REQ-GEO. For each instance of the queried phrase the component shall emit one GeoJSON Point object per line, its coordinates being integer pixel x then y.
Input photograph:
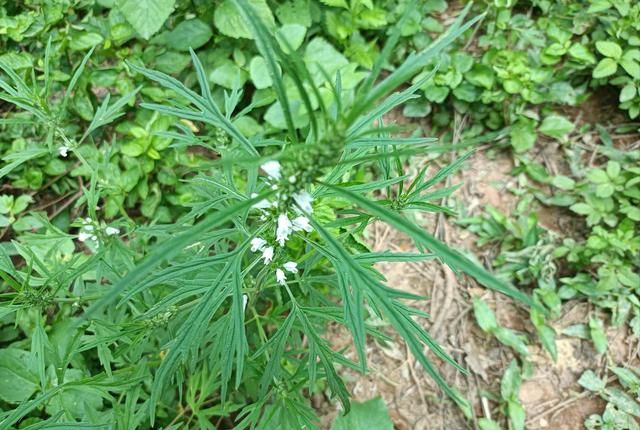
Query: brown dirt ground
{"type": "Point", "coordinates": [551, 396]}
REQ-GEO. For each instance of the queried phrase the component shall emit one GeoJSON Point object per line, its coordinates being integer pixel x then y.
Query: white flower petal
{"type": "Point", "coordinates": [262, 204]}
{"type": "Point", "coordinates": [272, 169]}
{"type": "Point", "coordinates": [111, 231]}
{"type": "Point", "coordinates": [245, 300]}
{"type": "Point", "coordinates": [283, 229]}
{"type": "Point", "coordinates": [291, 267]}
{"type": "Point", "coordinates": [281, 277]}
{"type": "Point", "coordinates": [301, 223]}
{"type": "Point", "coordinates": [267, 254]}
{"type": "Point", "coordinates": [303, 200]}
{"type": "Point", "coordinates": [257, 244]}
{"type": "Point", "coordinates": [63, 151]}
{"type": "Point", "coordinates": [82, 236]}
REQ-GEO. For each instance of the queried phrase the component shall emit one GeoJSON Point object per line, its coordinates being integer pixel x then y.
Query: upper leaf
{"type": "Point", "coordinates": [146, 16]}
{"type": "Point", "coordinates": [230, 22]}
{"type": "Point", "coordinates": [609, 49]}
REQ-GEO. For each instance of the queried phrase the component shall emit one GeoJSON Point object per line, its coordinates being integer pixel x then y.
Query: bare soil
{"type": "Point", "coordinates": [551, 396]}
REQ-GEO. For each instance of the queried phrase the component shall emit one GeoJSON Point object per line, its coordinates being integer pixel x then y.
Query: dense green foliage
{"type": "Point", "coordinates": [152, 147]}
{"type": "Point", "coordinates": [621, 410]}
{"type": "Point", "coordinates": [553, 55]}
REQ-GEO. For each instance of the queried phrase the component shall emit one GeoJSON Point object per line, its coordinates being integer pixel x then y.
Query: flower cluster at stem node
{"type": "Point", "coordinates": [289, 198]}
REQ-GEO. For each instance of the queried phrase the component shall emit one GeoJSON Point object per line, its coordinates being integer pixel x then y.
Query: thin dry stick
{"type": "Point", "coordinates": [564, 404]}
{"type": "Point", "coordinates": [181, 412]}
{"type": "Point", "coordinates": [381, 374]}
{"type": "Point", "coordinates": [460, 316]}
{"type": "Point", "coordinates": [380, 238]}
{"type": "Point", "coordinates": [434, 299]}
{"type": "Point", "coordinates": [542, 406]}
{"type": "Point", "coordinates": [66, 204]}
{"type": "Point", "coordinates": [50, 203]}
{"type": "Point", "coordinates": [416, 381]}
{"type": "Point", "coordinates": [485, 407]}
{"type": "Point", "coordinates": [474, 34]}
{"type": "Point", "coordinates": [449, 290]}
{"type": "Point", "coordinates": [56, 178]}
{"type": "Point", "coordinates": [450, 282]}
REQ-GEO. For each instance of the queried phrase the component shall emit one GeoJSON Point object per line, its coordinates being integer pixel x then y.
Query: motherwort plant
{"type": "Point", "coordinates": [223, 311]}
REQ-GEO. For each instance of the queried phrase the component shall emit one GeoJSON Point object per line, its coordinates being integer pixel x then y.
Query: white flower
{"type": "Point", "coordinates": [281, 277]}
{"type": "Point", "coordinates": [111, 231]}
{"type": "Point", "coordinates": [257, 244]}
{"type": "Point", "coordinates": [303, 200]}
{"type": "Point", "coordinates": [267, 254]}
{"type": "Point", "coordinates": [272, 169]}
{"type": "Point", "coordinates": [83, 236]}
{"type": "Point", "coordinates": [262, 204]}
{"type": "Point", "coordinates": [301, 223]}
{"type": "Point", "coordinates": [291, 267]}
{"type": "Point", "coordinates": [245, 300]}
{"type": "Point", "coordinates": [284, 229]}
{"type": "Point", "coordinates": [292, 179]}
{"type": "Point", "coordinates": [63, 151]}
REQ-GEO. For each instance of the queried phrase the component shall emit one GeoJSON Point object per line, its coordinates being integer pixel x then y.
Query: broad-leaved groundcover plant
{"type": "Point", "coordinates": [223, 311]}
